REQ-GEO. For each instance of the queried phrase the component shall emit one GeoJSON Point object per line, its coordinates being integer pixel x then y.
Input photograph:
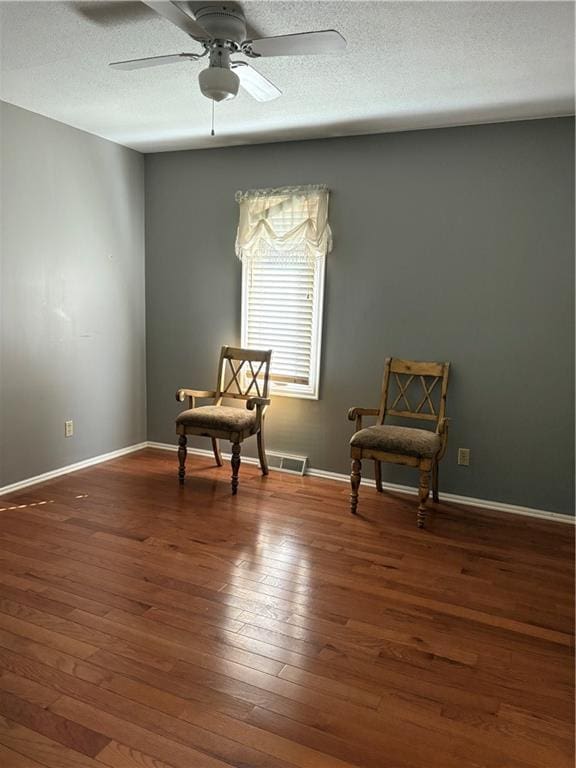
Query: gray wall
{"type": "Point", "coordinates": [72, 295]}
{"type": "Point", "coordinates": [453, 244]}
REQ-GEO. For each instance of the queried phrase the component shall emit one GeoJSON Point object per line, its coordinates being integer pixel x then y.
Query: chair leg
{"type": "Point", "coordinates": [423, 491]}
{"type": "Point", "coordinates": [235, 461]}
{"type": "Point", "coordinates": [262, 450]}
{"type": "Point", "coordinates": [216, 449]}
{"type": "Point", "coordinates": [378, 475]}
{"type": "Point", "coordinates": [435, 495]}
{"type": "Point", "coordinates": [355, 476]}
{"type": "Point", "coordinates": [181, 458]}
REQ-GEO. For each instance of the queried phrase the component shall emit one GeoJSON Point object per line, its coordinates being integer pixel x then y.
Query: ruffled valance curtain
{"type": "Point", "coordinates": [286, 224]}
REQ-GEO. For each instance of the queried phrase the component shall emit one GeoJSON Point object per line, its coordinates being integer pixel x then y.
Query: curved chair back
{"type": "Point", "coordinates": [243, 373]}
{"type": "Point", "coordinates": [410, 390]}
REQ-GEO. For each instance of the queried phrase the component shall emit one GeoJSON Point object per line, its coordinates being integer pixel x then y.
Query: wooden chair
{"type": "Point", "coordinates": [243, 374]}
{"type": "Point", "coordinates": [420, 448]}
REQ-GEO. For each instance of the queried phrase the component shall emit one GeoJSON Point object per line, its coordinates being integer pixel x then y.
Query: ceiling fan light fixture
{"type": "Point", "coordinates": [218, 83]}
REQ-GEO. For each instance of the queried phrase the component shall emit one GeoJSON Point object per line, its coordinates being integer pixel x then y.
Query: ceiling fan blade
{"type": "Point", "coordinates": [177, 16]}
{"type": "Point", "coordinates": [324, 41]}
{"type": "Point", "coordinates": [154, 61]}
{"type": "Point", "coordinates": [258, 86]}
{"type": "Point", "coordinates": [110, 14]}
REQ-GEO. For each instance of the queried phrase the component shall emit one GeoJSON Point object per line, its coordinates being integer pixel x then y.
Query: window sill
{"type": "Point", "coordinates": [293, 393]}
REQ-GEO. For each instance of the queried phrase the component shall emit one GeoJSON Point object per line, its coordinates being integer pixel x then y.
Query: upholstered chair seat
{"type": "Point", "coordinates": [391, 439]}
{"type": "Point", "coordinates": [221, 417]}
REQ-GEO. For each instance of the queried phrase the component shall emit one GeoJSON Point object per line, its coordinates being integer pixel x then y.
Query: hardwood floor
{"type": "Point", "coordinates": [147, 626]}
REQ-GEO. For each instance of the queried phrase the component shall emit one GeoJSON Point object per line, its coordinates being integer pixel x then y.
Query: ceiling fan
{"type": "Point", "coordinates": [221, 31]}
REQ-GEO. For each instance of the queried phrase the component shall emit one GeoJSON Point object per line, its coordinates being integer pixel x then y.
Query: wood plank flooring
{"type": "Point", "coordinates": [147, 626]}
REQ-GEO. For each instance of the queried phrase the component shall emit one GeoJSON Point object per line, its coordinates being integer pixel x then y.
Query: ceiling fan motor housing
{"type": "Point", "coordinates": [224, 22]}
{"type": "Point", "coordinates": [227, 27]}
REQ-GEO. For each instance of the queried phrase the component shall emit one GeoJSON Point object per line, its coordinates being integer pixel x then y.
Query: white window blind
{"type": "Point", "coordinates": [283, 238]}
{"type": "Point", "coordinates": [282, 311]}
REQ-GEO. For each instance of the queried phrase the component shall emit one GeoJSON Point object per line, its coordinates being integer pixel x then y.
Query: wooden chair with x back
{"type": "Point", "coordinates": [243, 374]}
{"type": "Point", "coordinates": [409, 391]}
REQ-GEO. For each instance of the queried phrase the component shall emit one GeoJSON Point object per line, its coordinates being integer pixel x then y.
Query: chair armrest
{"type": "Point", "coordinates": [260, 402]}
{"type": "Point", "coordinates": [443, 425]}
{"type": "Point", "coordinates": [192, 394]}
{"type": "Point", "coordinates": [442, 430]}
{"type": "Point", "coordinates": [357, 413]}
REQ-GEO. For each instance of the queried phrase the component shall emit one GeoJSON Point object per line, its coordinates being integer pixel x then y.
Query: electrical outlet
{"type": "Point", "coordinates": [68, 428]}
{"type": "Point", "coordinates": [464, 457]}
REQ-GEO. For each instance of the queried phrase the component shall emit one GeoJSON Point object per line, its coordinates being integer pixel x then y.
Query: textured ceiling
{"type": "Point", "coordinates": [408, 65]}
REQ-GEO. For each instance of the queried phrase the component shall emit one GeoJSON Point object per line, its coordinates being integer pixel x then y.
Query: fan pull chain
{"type": "Point", "coordinates": [212, 131]}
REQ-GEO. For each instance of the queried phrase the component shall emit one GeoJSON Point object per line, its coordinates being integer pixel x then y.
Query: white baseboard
{"type": "Point", "coordinates": [495, 506]}
{"type": "Point", "coordinates": [71, 468]}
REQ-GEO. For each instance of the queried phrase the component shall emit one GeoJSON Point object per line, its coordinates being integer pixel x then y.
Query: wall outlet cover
{"type": "Point", "coordinates": [464, 457]}
{"type": "Point", "coordinates": [68, 428]}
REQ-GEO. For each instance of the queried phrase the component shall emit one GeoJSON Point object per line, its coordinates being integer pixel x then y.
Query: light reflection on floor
{"type": "Point", "coordinates": [38, 503]}
{"type": "Point", "coordinates": [293, 572]}
{"type": "Point", "coordinates": [24, 506]}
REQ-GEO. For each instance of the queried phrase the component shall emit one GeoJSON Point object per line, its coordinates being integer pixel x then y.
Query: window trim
{"type": "Point", "coordinates": [312, 389]}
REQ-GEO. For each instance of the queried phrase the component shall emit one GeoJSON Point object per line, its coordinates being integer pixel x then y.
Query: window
{"type": "Point", "coordinates": [283, 238]}
{"type": "Point", "coordinates": [282, 311]}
